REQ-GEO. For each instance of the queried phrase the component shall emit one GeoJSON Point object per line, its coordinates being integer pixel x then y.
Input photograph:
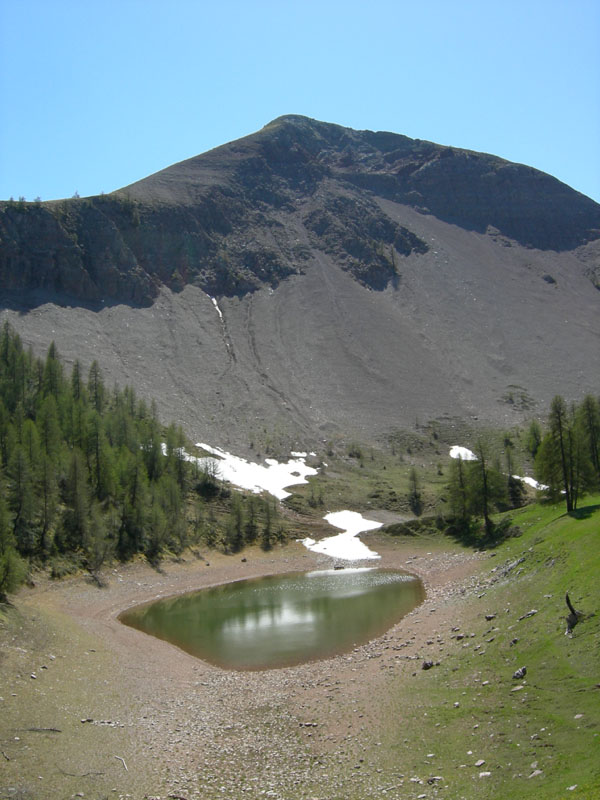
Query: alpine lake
{"type": "Point", "coordinates": [282, 620]}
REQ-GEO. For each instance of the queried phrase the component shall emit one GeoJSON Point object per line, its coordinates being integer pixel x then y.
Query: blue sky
{"type": "Point", "coordinates": [95, 94]}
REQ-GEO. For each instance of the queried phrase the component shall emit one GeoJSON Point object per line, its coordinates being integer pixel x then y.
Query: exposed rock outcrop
{"type": "Point", "coordinates": [253, 212]}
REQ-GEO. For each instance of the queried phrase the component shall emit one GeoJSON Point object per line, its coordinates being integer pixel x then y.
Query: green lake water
{"type": "Point", "coordinates": [281, 620]}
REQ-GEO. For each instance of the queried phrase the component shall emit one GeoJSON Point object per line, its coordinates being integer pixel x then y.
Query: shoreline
{"type": "Point", "coordinates": [182, 725]}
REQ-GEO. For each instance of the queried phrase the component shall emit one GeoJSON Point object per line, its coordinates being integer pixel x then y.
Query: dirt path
{"type": "Point", "coordinates": [137, 717]}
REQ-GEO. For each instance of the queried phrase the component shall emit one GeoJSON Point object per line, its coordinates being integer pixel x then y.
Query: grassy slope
{"type": "Point", "coordinates": [537, 727]}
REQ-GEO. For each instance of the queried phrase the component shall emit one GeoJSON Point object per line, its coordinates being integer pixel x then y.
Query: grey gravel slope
{"type": "Point", "coordinates": [452, 318]}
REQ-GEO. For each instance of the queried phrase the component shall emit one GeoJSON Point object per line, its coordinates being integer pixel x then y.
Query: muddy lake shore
{"type": "Point", "coordinates": [92, 708]}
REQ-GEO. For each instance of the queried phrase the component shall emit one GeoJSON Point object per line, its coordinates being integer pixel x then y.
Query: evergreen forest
{"type": "Point", "coordinates": [89, 474]}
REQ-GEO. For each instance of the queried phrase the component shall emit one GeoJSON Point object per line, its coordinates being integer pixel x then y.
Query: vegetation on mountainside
{"type": "Point", "coordinates": [88, 474]}
{"type": "Point", "coordinates": [566, 463]}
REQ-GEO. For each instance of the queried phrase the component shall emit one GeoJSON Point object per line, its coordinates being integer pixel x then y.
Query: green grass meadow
{"type": "Point", "coordinates": [539, 737]}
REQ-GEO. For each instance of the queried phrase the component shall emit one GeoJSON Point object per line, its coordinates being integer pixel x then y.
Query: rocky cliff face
{"type": "Point", "coordinates": [255, 211]}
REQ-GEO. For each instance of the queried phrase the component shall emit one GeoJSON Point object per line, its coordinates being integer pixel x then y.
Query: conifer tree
{"type": "Point", "coordinates": [589, 420]}
{"type": "Point", "coordinates": [563, 462]}
{"type": "Point", "coordinates": [266, 539]}
{"type": "Point", "coordinates": [48, 426]}
{"type": "Point", "coordinates": [415, 499]}
{"type": "Point", "coordinates": [234, 530]}
{"type": "Point", "coordinates": [134, 506]}
{"type": "Point", "coordinates": [95, 387]}
{"type": "Point", "coordinates": [12, 567]}
{"type": "Point", "coordinates": [21, 500]}
{"type": "Point", "coordinates": [458, 490]}
{"type": "Point", "coordinates": [487, 487]}
{"type": "Point", "coordinates": [53, 373]}
{"type": "Point", "coordinates": [6, 434]}
{"type": "Point", "coordinates": [251, 527]}
{"type": "Point", "coordinates": [77, 384]}
{"type": "Point", "coordinates": [77, 498]}
{"type": "Point", "coordinates": [47, 494]}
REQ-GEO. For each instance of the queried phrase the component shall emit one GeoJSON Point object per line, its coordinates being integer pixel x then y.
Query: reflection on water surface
{"type": "Point", "coordinates": [281, 620]}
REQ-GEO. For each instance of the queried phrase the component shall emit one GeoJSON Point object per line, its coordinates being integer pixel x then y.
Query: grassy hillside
{"type": "Point", "coordinates": [538, 736]}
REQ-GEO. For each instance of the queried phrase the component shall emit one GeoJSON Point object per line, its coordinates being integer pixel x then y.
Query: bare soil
{"type": "Point", "coordinates": [92, 708]}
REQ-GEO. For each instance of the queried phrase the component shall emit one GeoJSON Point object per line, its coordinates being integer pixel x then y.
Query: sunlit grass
{"type": "Point", "coordinates": [551, 724]}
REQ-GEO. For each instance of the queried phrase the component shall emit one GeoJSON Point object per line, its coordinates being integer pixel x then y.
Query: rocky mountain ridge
{"type": "Point", "coordinates": [319, 281]}
{"type": "Point", "coordinates": [253, 212]}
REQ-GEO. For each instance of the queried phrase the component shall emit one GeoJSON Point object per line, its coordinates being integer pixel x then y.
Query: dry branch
{"type": "Point", "coordinates": [75, 775]}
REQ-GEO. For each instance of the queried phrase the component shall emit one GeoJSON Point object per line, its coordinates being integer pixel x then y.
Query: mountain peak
{"type": "Point", "coordinates": [294, 119]}
{"type": "Point", "coordinates": [362, 280]}
{"type": "Point", "coordinates": [254, 211]}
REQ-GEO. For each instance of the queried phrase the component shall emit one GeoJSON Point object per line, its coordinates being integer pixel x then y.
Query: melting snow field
{"type": "Point", "coordinates": [271, 477]}
{"type": "Point", "coordinates": [345, 545]}
{"type": "Point", "coordinates": [274, 477]}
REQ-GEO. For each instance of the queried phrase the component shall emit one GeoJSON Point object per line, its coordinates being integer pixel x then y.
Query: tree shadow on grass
{"type": "Point", "coordinates": [585, 512]}
{"type": "Point", "coordinates": [472, 532]}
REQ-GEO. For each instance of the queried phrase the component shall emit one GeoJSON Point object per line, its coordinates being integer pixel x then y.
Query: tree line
{"type": "Point", "coordinates": [89, 473]}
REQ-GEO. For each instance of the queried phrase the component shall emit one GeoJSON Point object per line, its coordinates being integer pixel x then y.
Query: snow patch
{"type": "Point", "coordinates": [216, 305]}
{"type": "Point", "coordinates": [271, 477]}
{"type": "Point", "coordinates": [462, 452]}
{"type": "Point", "coordinates": [345, 545]}
{"type": "Point", "coordinates": [532, 482]}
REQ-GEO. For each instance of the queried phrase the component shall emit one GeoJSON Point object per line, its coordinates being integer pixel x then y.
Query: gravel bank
{"type": "Point", "coordinates": [136, 717]}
